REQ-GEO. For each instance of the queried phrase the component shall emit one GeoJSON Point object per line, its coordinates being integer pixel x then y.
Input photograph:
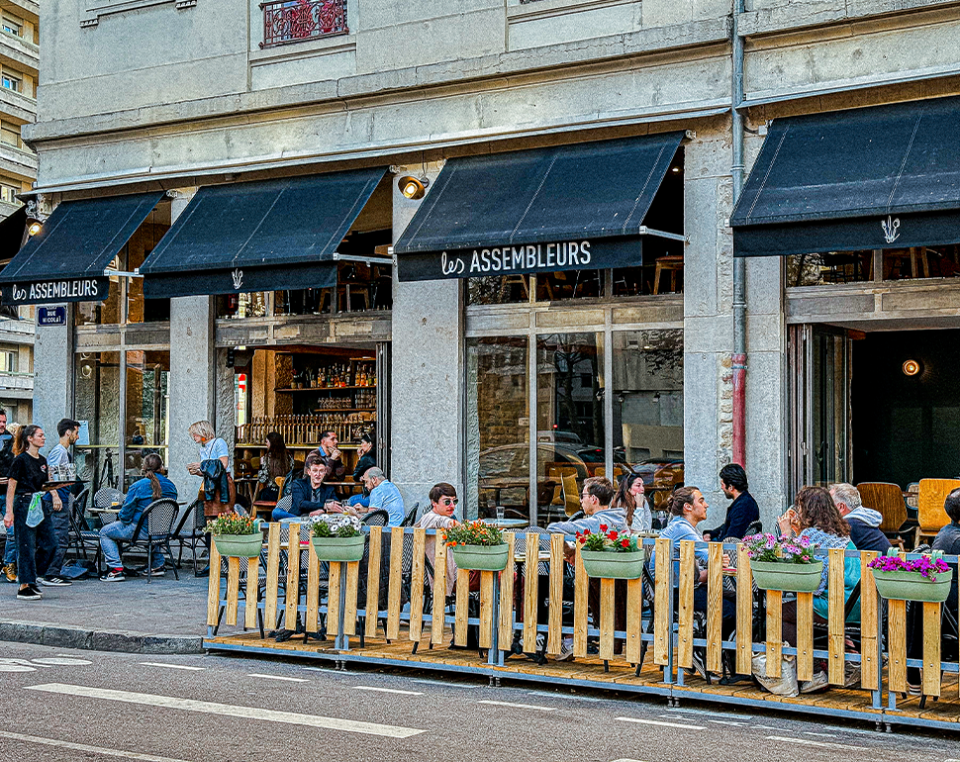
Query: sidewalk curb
{"type": "Point", "coordinates": [60, 636]}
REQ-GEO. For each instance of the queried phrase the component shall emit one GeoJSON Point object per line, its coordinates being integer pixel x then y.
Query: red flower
{"type": "Point", "coordinates": [581, 540]}
{"type": "Point", "coordinates": [625, 543]}
{"type": "Point", "coordinates": [612, 536]}
{"type": "Point", "coordinates": [603, 527]}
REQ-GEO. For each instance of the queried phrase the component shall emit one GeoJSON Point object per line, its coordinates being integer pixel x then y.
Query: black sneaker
{"type": "Point", "coordinates": [158, 572]}
{"type": "Point", "coordinates": [114, 575]}
{"type": "Point", "coordinates": [28, 594]}
{"type": "Point", "coordinates": [54, 581]}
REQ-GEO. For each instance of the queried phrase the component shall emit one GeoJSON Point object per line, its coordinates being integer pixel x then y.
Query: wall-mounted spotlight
{"type": "Point", "coordinates": [34, 228]}
{"type": "Point", "coordinates": [413, 187]}
{"type": "Point", "coordinates": [911, 368]}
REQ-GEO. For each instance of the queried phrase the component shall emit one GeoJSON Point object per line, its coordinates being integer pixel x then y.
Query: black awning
{"type": "Point", "coordinates": [274, 235]}
{"type": "Point", "coordinates": [568, 208]}
{"type": "Point", "coordinates": [869, 178]}
{"type": "Point", "coordinates": [65, 261]}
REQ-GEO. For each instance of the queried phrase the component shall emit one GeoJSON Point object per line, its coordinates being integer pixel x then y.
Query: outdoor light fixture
{"type": "Point", "coordinates": [413, 187]}
{"type": "Point", "coordinates": [34, 228]}
{"type": "Point", "coordinates": [911, 368]}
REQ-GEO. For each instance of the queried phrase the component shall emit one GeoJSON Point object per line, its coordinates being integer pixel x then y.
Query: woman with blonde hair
{"type": "Point", "coordinates": [218, 492]}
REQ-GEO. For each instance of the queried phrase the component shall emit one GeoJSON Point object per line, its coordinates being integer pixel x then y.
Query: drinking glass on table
{"type": "Point", "coordinates": [499, 514]}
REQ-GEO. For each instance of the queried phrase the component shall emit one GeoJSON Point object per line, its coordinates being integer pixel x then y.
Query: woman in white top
{"type": "Point", "coordinates": [632, 499]}
{"type": "Point", "coordinates": [211, 446]}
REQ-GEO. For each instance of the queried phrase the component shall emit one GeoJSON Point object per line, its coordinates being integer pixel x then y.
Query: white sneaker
{"type": "Point", "coordinates": [566, 650]}
{"type": "Point", "coordinates": [54, 582]}
{"type": "Point", "coordinates": [851, 675]}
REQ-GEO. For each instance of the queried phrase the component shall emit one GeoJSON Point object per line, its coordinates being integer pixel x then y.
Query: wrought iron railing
{"type": "Point", "coordinates": [286, 21]}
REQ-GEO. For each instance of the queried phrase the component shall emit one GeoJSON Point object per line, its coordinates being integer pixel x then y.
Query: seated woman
{"type": "Point", "coordinates": [631, 497]}
{"type": "Point", "coordinates": [153, 486]}
{"type": "Point", "coordinates": [367, 459]}
{"type": "Point", "coordinates": [276, 463]}
{"type": "Point", "coordinates": [816, 517]}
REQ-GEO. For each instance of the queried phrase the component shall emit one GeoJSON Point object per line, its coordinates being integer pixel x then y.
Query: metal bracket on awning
{"type": "Point", "coordinates": [644, 230]}
{"type": "Point", "coordinates": [374, 260]}
{"type": "Point", "coordinates": [122, 273]}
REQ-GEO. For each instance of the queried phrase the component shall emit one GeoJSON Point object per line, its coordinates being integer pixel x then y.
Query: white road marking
{"type": "Point", "coordinates": [61, 662]}
{"type": "Point", "coordinates": [626, 760]}
{"type": "Point", "coordinates": [822, 744]}
{"type": "Point", "coordinates": [663, 724]}
{"type": "Point", "coordinates": [441, 684]}
{"type": "Point", "coordinates": [16, 668]}
{"type": "Point", "coordinates": [385, 690]}
{"type": "Point", "coordinates": [170, 666]}
{"type": "Point", "coordinates": [85, 748]}
{"type": "Point", "coordinates": [520, 706]}
{"type": "Point", "coordinates": [725, 722]}
{"type": "Point", "coordinates": [564, 696]}
{"type": "Point", "coordinates": [278, 677]}
{"type": "Point", "coordinates": [226, 710]}
{"type": "Point", "coordinates": [323, 669]}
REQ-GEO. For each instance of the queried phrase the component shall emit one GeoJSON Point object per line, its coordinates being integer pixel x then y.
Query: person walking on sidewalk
{"type": "Point", "coordinates": [153, 486]}
{"type": "Point", "coordinates": [35, 544]}
{"type": "Point", "coordinates": [6, 460]}
{"type": "Point", "coordinates": [69, 431]}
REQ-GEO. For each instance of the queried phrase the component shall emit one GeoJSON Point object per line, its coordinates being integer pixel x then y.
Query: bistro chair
{"type": "Point", "coordinates": [888, 500]}
{"type": "Point", "coordinates": [378, 518]}
{"type": "Point", "coordinates": [411, 517]}
{"type": "Point", "coordinates": [107, 496]}
{"type": "Point", "coordinates": [930, 512]}
{"type": "Point", "coordinates": [82, 538]}
{"type": "Point", "coordinates": [285, 503]}
{"type": "Point", "coordinates": [190, 531]}
{"type": "Point", "coordinates": [156, 523]}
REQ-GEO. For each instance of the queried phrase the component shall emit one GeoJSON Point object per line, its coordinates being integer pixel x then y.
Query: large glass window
{"type": "Point", "coordinates": [648, 409]}
{"type": "Point", "coordinates": [873, 266]}
{"type": "Point", "coordinates": [146, 428]}
{"type": "Point", "coordinates": [97, 407]}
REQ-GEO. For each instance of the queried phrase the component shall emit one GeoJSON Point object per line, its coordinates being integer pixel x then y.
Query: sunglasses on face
{"type": "Point", "coordinates": [449, 501]}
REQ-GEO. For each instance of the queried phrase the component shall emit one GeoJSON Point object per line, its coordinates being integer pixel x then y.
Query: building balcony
{"type": "Point", "coordinates": [16, 382]}
{"type": "Point", "coordinates": [284, 23]}
{"type": "Point", "coordinates": [26, 9]}
{"type": "Point", "coordinates": [18, 162]}
{"type": "Point", "coordinates": [17, 331]}
{"type": "Point", "coordinates": [19, 53]}
{"type": "Point", "coordinates": [17, 106]}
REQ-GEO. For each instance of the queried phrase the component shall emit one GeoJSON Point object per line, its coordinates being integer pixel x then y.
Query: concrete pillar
{"type": "Point", "coordinates": [192, 376]}
{"type": "Point", "coordinates": [427, 376]}
{"type": "Point", "coordinates": [708, 317]}
{"type": "Point", "coordinates": [53, 376]}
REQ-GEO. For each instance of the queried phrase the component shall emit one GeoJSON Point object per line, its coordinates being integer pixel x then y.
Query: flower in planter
{"type": "Point", "coordinates": [473, 533]}
{"type": "Point", "coordinates": [923, 566]}
{"type": "Point", "coordinates": [325, 529]}
{"type": "Point", "coordinates": [769, 548]}
{"type": "Point", "coordinates": [232, 524]}
{"type": "Point", "coordinates": [611, 541]}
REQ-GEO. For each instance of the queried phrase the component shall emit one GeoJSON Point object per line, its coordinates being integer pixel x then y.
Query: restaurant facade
{"type": "Point", "coordinates": [511, 257]}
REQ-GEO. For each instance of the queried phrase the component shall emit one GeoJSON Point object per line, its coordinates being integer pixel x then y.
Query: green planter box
{"type": "Point", "coordinates": [603, 564]}
{"type": "Point", "coordinates": [480, 557]}
{"type": "Point", "coordinates": [239, 545]}
{"type": "Point", "coordinates": [335, 549]}
{"type": "Point", "coordinates": [790, 578]}
{"type": "Point", "coordinates": [911, 586]}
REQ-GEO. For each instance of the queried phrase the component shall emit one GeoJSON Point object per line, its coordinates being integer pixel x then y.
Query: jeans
{"type": "Point", "coordinates": [61, 528]}
{"type": "Point", "coordinates": [35, 545]}
{"type": "Point", "coordinates": [10, 551]}
{"type": "Point", "coordinates": [279, 514]}
{"type": "Point", "coordinates": [361, 499]}
{"type": "Point", "coordinates": [115, 531]}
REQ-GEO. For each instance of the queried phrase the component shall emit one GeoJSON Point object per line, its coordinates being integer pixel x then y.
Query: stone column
{"type": "Point", "coordinates": [53, 375]}
{"type": "Point", "coordinates": [192, 376]}
{"type": "Point", "coordinates": [427, 375]}
{"type": "Point", "coordinates": [708, 317]}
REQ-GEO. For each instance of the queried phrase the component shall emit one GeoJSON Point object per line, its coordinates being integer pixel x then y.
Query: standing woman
{"type": "Point", "coordinates": [35, 545]}
{"type": "Point", "coordinates": [632, 499]}
{"type": "Point", "coordinates": [276, 462]}
{"type": "Point", "coordinates": [219, 493]}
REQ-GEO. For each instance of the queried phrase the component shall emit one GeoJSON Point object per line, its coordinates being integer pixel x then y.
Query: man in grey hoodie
{"type": "Point", "coordinates": [864, 522]}
{"type": "Point", "coordinates": [598, 493]}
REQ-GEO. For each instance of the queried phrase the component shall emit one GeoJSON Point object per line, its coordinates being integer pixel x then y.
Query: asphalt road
{"type": "Point", "coordinates": [86, 705]}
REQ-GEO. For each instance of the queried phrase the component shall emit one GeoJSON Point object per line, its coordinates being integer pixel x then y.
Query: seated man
{"type": "Point", "coordinates": [598, 493]}
{"type": "Point", "coordinates": [443, 504]}
{"type": "Point", "coordinates": [329, 454]}
{"type": "Point", "coordinates": [864, 522]}
{"type": "Point", "coordinates": [153, 486]}
{"type": "Point", "coordinates": [311, 497]}
{"type": "Point", "coordinates": [384, 495]}
{"type": "Point", "coordinates": [743, 511]}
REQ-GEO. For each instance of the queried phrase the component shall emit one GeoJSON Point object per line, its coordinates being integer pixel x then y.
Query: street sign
{"type": "Point", "coordinates": [52, 316]}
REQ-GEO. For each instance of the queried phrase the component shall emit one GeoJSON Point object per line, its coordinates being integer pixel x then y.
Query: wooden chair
{"type": "Point", "coordinates": [930, 511]}
{"type": "Point", "coordinates": [571, 494]}
{"type": "Point", "coordinates": [506, 281]}
{"type": "Point", "coordinates": [672, 264]}
{"type": "Point", "coordinates": [888, 500]}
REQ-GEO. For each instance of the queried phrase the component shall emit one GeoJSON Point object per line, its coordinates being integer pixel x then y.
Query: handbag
{"type": "Point", "coordinates": [35, 511]}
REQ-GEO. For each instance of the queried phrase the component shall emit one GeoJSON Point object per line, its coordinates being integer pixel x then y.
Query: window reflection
{"type": "Point", "coordinates": [146, 428]}
{"type": "Point", "coordinates": [97, 403]}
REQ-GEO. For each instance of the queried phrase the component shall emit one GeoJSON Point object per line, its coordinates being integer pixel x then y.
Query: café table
{"type": "Point", "coordinates": [247, 486]}
{"type": "Point", "coordinates": [507, 524]}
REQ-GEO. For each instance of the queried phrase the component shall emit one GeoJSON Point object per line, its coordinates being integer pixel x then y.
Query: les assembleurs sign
{"type": "Point", "coordinates": [526, 258]}
{"type": "Point", "coordinates": [53, 291]}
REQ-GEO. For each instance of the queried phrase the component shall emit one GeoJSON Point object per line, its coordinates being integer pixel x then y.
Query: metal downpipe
{"type": "Point", "coordinates": [739, 359]}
